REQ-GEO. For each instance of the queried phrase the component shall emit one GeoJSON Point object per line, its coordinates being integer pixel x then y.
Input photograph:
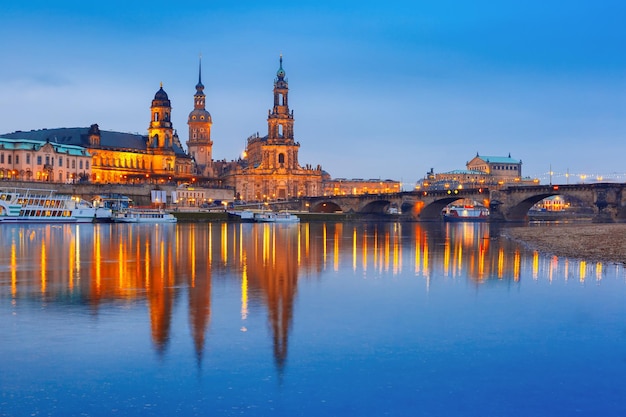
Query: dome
{"type": "Point", "coordinates": [161, 99]}
{"type": "Point", "coordinates": [200, 115]}
{"type": "Point", "coordinates": [161, 95]}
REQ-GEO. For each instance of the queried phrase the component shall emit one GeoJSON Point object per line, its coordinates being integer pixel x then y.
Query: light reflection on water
{"type": "Point", "coordinates": [358, 316]}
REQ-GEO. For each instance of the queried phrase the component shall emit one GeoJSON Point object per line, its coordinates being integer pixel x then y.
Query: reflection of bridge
{"type": "Point", "coordinates": [608, 201]}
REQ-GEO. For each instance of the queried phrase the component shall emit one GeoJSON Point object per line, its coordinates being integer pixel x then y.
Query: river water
{"type": "Point", "coordinates": [336, 319]}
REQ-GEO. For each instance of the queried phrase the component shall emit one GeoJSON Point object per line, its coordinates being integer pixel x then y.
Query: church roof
{"type": "Point", "coordinates": [79, 136]}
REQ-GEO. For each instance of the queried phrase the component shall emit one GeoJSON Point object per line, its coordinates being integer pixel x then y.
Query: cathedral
{"type": "Point", "coordinates": [270, 169]}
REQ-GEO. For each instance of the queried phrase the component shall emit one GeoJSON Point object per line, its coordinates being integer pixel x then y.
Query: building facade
{"type": "Point", "coordinates": [357, 186]}
{"type": "Point", "coordinates": [270, 169]}
{"type": "Point", "coordinates": [29, 160]}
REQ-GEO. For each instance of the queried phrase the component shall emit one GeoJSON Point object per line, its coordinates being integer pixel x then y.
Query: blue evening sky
{"type": "Point", "coordinates": [379, 89]}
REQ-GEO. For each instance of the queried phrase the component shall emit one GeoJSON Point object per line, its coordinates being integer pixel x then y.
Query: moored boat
{"type": "Point", "coordinates": [467, 213]}
{"type": "Point", "coordinates": [133, 215]}
{"type": "Point", "coordinates": [24, 205]}
{"type": "Point", "coordinates": [242, 215]}
{"type": "Point", "coordinates": [273, 217]}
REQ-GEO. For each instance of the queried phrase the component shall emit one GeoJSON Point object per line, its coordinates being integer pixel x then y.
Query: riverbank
{"type": "Point", "coordinates": [592, 242]}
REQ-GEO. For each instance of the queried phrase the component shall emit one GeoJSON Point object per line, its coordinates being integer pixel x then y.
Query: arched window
{"type": "Point", "coordinates": [156, 116]}
{"type": "Point", "coordinates": [281, 158]}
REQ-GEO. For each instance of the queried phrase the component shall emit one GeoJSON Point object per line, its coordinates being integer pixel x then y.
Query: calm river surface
{"type": "Point", "coordinates": [312, 319]}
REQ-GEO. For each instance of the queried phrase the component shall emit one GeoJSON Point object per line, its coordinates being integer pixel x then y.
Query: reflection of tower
{"type": "Point", "coordinates": [275, 271]}
{"type": "Point", "coordinates": [200, 309]}
{"type": "Point", "coordinates": [200, 122]}
{"type": "Point", "coordinates": [160, 302]}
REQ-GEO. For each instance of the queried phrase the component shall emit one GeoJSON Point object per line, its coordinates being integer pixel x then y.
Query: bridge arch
{"type": "Point", "coordinates": [375, 207]}
{"type": "Point", "coordinates": [325, 207]}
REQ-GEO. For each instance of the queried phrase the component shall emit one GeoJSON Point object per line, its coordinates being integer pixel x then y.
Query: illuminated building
{"type": "Point", "coordinates": [22, 159]}
{"type": "Point", "coordinates": [118, 157]}
{"type": "Point", "coordinates": [270, 168]}
{"type": "Point", "coordinates": [493, 171]}
{"type": "Point", "coordinates": [357, 186]}
{"type": "Point", "coordinates": [199, 144]}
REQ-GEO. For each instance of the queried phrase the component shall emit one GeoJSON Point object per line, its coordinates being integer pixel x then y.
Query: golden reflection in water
{"type": "Point", "coordinates": [364, 252]}
{"type": "Point", "coordinates": [324, 237]}
{"type": "Point", "coordinates": [161, 263]}
{"type": "Point", "coordinates": [500, 263]}
{"type": "Point", "coordinates": [337, 240]}
{"type": "Point", "coordinates": [43, 267]}
{"type": "Point", "coordinates": [446, 258]}
{"type": "Point", "coordinates": [418, 248]}
{"type": "Point", "coordinates": [244, 290]}
{"type": "Point", "coordinates": [13, 268]}
{"type": "Point", "coordinates": [224, 244]}
{"type": "Point", "coordinates": [535, 265]}
{"type": "Point", "coordinates": [582, 270]}
{"type": "Point", "coordinates": [354, 244]}
{"type": "Point", "coordinates": [517, 261]}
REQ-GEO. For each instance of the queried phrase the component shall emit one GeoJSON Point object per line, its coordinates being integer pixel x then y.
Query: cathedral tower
{"type": "Point", "coordinates": [199, 144]}
{"type": "Point", "coordinates": [160, 131]}
{"type": "Point", "coordinates": [279, 120]}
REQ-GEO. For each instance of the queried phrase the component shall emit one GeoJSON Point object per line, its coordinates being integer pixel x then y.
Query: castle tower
{"type": "Point", "coordinates": [199, 144]}
{"type": "Point", "coordinates": [160, 131]}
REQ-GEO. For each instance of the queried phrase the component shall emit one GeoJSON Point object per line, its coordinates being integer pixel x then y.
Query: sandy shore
{"type": "Point", "coordinates": [592, 242]}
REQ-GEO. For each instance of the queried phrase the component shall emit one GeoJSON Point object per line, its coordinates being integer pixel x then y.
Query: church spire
{"type": "Point", "coordinates": [199, 86]}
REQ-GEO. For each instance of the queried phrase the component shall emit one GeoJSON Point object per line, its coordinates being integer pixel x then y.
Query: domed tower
{"type": "Point", "coordinates": [160, 131]}
{"type": "Point", "coordinates": [199, 144]}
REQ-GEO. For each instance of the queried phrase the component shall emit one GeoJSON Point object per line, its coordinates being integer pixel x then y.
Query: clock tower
{"type": "Point", "coordinates": [199, 144]}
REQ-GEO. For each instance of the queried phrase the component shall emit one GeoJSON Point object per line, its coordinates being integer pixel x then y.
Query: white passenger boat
{"type": "Point", "coordinates": [272, 217]}
{"type": "Point", "coordinates": [133, 215]}
{"type": "Point", "coordinates": [25, 205]}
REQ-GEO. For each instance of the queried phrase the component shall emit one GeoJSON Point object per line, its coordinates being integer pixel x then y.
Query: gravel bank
{"type": "Point", "coordinates": [592, 242]}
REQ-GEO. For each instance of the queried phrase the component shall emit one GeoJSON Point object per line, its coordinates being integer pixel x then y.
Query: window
{"type": "Point", "coordinates": [28, 158]}
{"type": "Point", "coordinates": [80, 164]}
{"type": "Point", "coordinates": [74, 164]}
{"type": "Point", "coordinates": [17, 159]}
{"type": "Point", "coordinates": [38, 159]}
{"type": "Point", "coordinates": [156, 117]}
{"type": "Point", "coordinates": [47, 159]}
{"type": "Point", "coordinates": [1, 158]}
{"type": "Point", "coordinates": [86, 164]}
{"type": "Point", "coordinates": [281, 158]}
{"type": "Point", "coordinates": [60, 161]}
{"type": "Point", "coordinates": [9, 159]}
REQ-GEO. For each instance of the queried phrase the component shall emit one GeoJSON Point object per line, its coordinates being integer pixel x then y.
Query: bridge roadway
{"type": "Point", "coordinates": [608, 201]}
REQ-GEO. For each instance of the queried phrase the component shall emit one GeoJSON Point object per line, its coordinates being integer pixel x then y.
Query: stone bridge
{"type": "Point", "coordinates": [607, 200]}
